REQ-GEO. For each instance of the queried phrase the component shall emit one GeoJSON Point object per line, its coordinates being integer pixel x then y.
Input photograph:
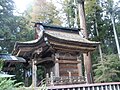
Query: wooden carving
{"type": "Point", "coordinates": [66, 56]}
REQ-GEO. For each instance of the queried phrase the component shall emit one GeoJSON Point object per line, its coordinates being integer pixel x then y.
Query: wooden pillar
{"type": "Point", "coordinates": [88, 67]}
{"type": "Point", "coordinates": [56, 67]}
{"type": "Point", "coordinates": [47, 79]}
{"type": "Point", "coordinates": [51, 79]}
{"type": "Point", "coordinates": [79, 65]}
{"type": "Point", "coordinates": [70, 79]}
{"type": "Point", "coordinates": [34, 73]}
{"type": "Point", "coordinates": [26, 78]}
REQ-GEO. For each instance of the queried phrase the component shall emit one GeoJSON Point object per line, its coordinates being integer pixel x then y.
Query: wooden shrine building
{"type": "Point", "coordinates": [59, 50]}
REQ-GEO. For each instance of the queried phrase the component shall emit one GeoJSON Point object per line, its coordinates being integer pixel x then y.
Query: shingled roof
{"type": "Point", "coordinates": [10, 58]}
{"type": "Point", "coordinates": [57, 37]}
{"type": "Point", "coordinates": [69, 37]}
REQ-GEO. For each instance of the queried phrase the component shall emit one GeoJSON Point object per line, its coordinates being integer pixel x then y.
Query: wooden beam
{"type": "Point", "coordinates": [8, 68]}
{"type": "Point", "coordinates": [69, 66]}
{"type": "Point", "coordinates": [41, 60]}
{"type": "Point", "coordinates": [67, 55]}
{"type": "Point", "coordinates": [18, 52]}
{"type": "Point", "coordinates": [73, 49]}
{"type": "Point", "coordinates": [67, 74]}
{"type": "Point", "coordinates": [26, 48]}
{"type": "Point", "coordinates": [68, 62]}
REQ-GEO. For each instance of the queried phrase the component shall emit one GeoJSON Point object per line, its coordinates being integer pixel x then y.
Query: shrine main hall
{"type": "Point", "coordinates": [60, 50]}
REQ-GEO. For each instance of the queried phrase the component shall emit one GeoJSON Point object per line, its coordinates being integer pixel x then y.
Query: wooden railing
{"type": "Point", "coordinates": [75, 83]}
{"type": "Point", "coordinates": [96, 86]}
{"type": "Point", "coordinates": [66, 80]}
{"type": "Point", "coordinates": [63, 80]}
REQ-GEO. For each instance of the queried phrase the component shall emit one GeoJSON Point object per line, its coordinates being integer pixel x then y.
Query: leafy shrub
{"type": "Point", "coordinates": [8, 84]}
{"type": "Point", "coordinates": [107, 70]}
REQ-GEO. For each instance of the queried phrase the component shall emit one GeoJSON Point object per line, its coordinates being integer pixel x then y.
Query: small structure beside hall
{"type": "Point", "coordinates": [59, 50]}
{"type": "Point", "coordinates": [9, 63]}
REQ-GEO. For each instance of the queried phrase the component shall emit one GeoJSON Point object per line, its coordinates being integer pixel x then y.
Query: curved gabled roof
{"type": "Point", "coordinates": [69, 37]}
{"type": "Point", "coordinates": [58, 38]}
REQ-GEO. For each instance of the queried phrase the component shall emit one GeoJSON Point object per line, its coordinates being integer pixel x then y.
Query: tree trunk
{"type": "Point", "coordinates": [99, 47]}
{"type": "Point", "coordinates": [87, 56]}
{"type": "Point", "coordinates": [115, 34]}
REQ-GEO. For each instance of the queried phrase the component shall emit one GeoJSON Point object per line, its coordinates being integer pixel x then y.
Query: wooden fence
{"type": "Point", "coordinates": [96, 86]}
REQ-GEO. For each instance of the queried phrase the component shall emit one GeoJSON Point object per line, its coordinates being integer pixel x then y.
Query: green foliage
{"type": "Point", "coordinates": [19, 72]}
{"type": "Point", "coordinates": [40, 73]}
{"type": "Point", "coordinates": [45, 12]}
{"type": "Point", "coordinates": [13, 28]}
{"type": "Point", "coordinates": [9, 84]}
{"type": "Point", "coordinates": [9, 25]}
{"type": "Point", "coordinates": [6, 18]}
{"type": "Point", "coordinates": [107, 70]}
{"type": "Point", "coordinates": [1, 64]}
{"type": "Point", "coordinates": [69, 7]}
{"type": "Point", "coordinates": [98, 19]}
{"type": "Point", "coordinates": [42, 87]}
{"type": "Point", "coordinates": [6, 84]}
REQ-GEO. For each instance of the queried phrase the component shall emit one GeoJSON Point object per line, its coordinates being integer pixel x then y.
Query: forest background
{"type": "Point", "coordinates": [15, 26]}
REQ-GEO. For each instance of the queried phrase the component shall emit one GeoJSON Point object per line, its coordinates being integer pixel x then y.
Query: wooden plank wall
{"type": "Point", "coordinates": [68, 66]}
